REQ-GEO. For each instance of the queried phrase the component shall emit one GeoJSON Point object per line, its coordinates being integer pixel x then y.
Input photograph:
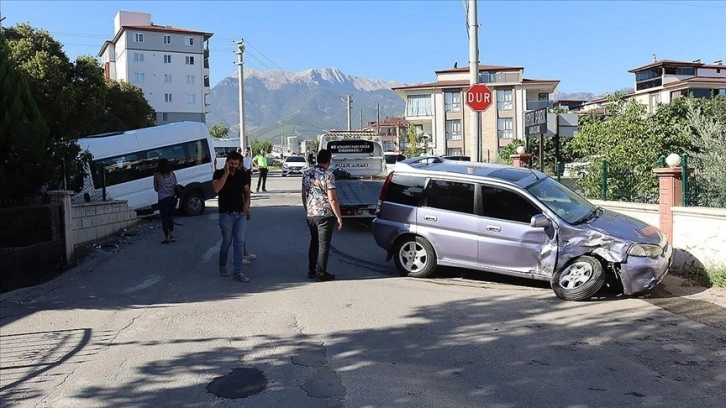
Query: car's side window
{"type": "Point", "coordinates": [507, 205]}
{"type": "Point", "coordinates": [406, 190]}
{"type": "Point", "coordinates": [450, 195]}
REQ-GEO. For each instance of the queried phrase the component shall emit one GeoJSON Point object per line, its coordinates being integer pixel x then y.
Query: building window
{"type": "Point", "coordinates": [167, 58]}
{"type": "Point", "coordinates": [139, 37]}
{"type": "Point", "coordinates": [190, 79]}
{"type": "Point", "coordinates": [189, 60]}
{"type": "Point", "coordinates": [165, 116]}
{"type": "Point", "coordinates": [452, 101]}
{"type": "Point", "coordinates": [504, 99]}
{"type": "Point", "coordinates": [167, 97]}
{"type": "Point", "coordinates": [138, 77]}
{"type": "Point", "coordinates": [138, 57]}
{"type": "Point", "coordinates": [167, 78]}
{"type": "Point", "coordinates": [453, 129]}
{"type": "Point", "coordinates": [504, 128]}
{"type": "Point", "coordinates": [653, 101]}
{"type": "Point", "coordinates": [190, 41]}
{"type": "Point", "coordinates": [454, 152]}
{"type": "Point", "coordinates": [191, 98]}
{"type": "Point", "coordinates": [719, 93]}
{"type": "Point", "coordinates": [167, 39]}
{"type": "Point", "coordinates": [418, 105]}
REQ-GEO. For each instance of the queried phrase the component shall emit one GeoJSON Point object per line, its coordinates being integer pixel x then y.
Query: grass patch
{"type": "Point", "coordinates": [717, 276]}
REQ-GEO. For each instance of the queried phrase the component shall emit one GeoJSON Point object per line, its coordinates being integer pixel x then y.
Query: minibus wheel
{"type": "Point", "coordinates": [193, 204]}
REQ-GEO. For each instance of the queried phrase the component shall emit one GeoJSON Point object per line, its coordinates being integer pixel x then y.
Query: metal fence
{"type": "Point", "coordinates": [640, 184]}
{"type": "Point", "coordinates": [32, 246]}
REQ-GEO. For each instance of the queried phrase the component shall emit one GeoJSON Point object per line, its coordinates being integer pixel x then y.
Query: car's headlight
{"type": "Point", "coordinates": [284, 165]}
{"type": "Point", "coordinates": [645, 250]}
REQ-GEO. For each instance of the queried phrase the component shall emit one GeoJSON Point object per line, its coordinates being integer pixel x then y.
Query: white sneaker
{"type": "Point", "coordinates": [250, 256]}
{"type": "Point", "coordinates": [246, 262]}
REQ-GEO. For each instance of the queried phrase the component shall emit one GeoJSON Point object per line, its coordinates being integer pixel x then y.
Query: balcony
{"type": "Point", "coordinates": [500, 77]}
{"type": "Point", "coordinates": [532, 105]}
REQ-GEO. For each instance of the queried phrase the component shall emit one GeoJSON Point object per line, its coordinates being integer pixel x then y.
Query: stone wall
{"type": "Point", "coordinates": [699, 234]}
{"type": "Point", "coordinates": [96, 220]}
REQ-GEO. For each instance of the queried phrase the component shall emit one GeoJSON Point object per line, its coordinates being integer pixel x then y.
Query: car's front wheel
{"type": "Point", "coordinates": [415, 257]}
{"type": "Point", "coordinates": [579, 280]}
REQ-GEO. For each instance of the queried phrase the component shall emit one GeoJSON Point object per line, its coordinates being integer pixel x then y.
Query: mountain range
{"type": "Point", "coordinates": [306, 103]}
{"type": "Point", "coordinates": [300, 104]}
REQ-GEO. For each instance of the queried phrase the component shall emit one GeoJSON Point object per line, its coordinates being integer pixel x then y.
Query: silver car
{"type": "Point", "coordinates": [513, 221]}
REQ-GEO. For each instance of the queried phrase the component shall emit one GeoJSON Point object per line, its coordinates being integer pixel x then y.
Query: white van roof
{"type": "Point", "coordinates": [113, 144]}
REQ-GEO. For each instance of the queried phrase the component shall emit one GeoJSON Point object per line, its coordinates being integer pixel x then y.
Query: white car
{"type": "Point", "coordinates": [294, 165]}
{"type": "Point", "coordinates": [391, 159]}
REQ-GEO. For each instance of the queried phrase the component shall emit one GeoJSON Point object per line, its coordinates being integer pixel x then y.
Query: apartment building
{"type": "Point", "coordinates": [390, 129]}
{"type": "Point", "coordinates": [171, 65]}
{"type": "Point", "coordinates": [438, 111]}
{"type": "Point", "coordinates": [665, 80]}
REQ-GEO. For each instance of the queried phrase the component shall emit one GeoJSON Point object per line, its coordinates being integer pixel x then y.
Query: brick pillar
{"type": "Point", "coordinates": [521, 160]}
{"type": "Point", "coordinates": [670, 189]}
{"type": "Point", "coordinates": [63, 197]}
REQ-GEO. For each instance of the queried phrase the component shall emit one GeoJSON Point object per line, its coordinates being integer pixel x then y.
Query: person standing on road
{"type": "Point", "coordinates": [164, 182]}
{"type": "Point", "coordinates": [322, 209]}
{"type": "Point", "coordinates": [261, 162]}
{"type": "Point", "coordinates": [234, 211]}
{"type": "Point", "coordinates": [247, 171]}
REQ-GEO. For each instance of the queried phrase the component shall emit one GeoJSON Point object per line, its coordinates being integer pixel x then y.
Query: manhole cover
{"type": "Point", "coordinates": [240, 383]}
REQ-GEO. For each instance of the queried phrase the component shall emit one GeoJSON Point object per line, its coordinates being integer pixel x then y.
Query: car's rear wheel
{"type": "Point", "coordinates": [579, 280]}
{"type": "Point", "coordinates": [415, 257]}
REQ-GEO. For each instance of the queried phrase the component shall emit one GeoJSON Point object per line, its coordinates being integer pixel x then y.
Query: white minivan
{"type": "Point", "coordinates": [124, 164]}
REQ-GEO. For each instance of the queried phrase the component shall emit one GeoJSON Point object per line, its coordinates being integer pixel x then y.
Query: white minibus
{"type": "Point", "coordinates": [359, 153]}
{"type": "Point", "coordinates": [124, 164]}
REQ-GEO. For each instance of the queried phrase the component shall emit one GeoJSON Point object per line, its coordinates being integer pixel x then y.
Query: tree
{"type": "Point", "coordinates": [74, 100]}
{"type": "Point", "coordinates": [256, 145]}
{"type": "Point", "coordinates": [219, 131]}
{"type": "Point", "coordinates": [709, 150]}
{"type": "Point", "coordinates": [24, 136]}
{"type": "Point", "coordinates": [413, 148]}
{"type": "Point", "coordinates": [127, 108]}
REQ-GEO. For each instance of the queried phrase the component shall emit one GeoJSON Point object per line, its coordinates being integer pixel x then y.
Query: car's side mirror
{"type": "Point", "coordinates": [539, 221]}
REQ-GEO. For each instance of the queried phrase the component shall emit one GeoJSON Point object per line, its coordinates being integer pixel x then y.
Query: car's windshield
{"type": "Point", "coordinates": [295, 159]}
{"type": "Point", "coordinates": [566, 203]}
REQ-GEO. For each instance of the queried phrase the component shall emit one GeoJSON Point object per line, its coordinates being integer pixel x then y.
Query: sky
{"type": "Point", "coordinates": [588, 45]}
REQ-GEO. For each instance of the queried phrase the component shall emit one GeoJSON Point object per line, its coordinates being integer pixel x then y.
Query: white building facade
{"type": "Point", "coordinates": [170, 65]}
{"type": "Point", "coordinates": [661, 82]}
{"type": "Point", "coordinates": [438, 111]}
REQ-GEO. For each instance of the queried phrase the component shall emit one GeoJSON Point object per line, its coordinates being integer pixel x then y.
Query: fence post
{"type": "Point", "coordinates": [684, 179]}
{"type": "Point", "coordinates": [63, 197]}
{"type": "Point", "coordinates": [604, 181]}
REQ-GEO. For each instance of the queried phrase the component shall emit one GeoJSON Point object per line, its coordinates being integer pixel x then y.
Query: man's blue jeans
{"type": "Point", "coordinates": [233, 227]}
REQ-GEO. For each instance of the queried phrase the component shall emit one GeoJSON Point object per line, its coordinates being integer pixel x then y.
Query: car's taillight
{"type": "Point", "coordinates": [382, 196]}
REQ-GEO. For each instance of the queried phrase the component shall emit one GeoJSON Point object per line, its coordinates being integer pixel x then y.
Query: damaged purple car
{"type": "Point", "coordinates": [513, 221]}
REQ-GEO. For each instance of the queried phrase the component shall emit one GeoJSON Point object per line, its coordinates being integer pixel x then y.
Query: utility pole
{"type": "Point", "coordinates": [241, 81]}
{"type": "Point", "coordinates": [474, 76]}
{"type": "Point", "coordinates": [378, 118]}
{"type": "Point", "coordinates": [349, 106]}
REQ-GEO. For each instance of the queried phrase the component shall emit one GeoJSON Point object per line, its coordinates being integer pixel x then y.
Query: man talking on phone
{"type": "Point", "coordinates": [234, 211]}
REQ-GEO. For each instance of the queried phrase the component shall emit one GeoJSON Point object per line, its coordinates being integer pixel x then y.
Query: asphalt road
{"type": "Point", "coordinates": [140, 324]}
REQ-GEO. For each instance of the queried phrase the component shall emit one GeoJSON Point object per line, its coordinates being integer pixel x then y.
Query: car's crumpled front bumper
{"type": "Point", "coordinates": [641, 274]}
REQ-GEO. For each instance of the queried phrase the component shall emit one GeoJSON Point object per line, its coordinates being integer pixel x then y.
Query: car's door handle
{"type": "Point", "coordinates": [430, 218]}
{"type": "Point", "coordinates": [494, 228]}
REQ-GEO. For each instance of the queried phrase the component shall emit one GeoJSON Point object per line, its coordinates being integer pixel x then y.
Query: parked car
{"type": "Point", "coordinates": [457, 157]}
{"type": "Point", "coordinates": [391, 159]}
{"type": "Point", "coordinates": [513, 221]}
{"type": "Point", "coordinates": [294, 165]}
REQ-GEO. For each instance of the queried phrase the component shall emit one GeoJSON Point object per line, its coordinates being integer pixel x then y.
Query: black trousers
{"type": "Point", "coordinates": [262, 178]}
{"type": "Point", "coordinates": [321, 232]}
